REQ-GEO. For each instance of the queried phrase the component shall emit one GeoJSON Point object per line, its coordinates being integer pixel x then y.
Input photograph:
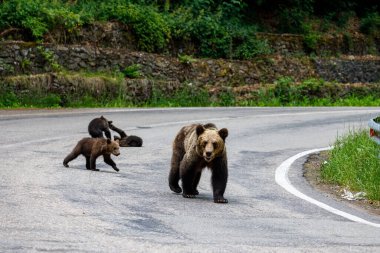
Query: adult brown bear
{"type": "Point", "coordinates": [92, 148]}
{"type": "Point", "coordinates": [194, 148]}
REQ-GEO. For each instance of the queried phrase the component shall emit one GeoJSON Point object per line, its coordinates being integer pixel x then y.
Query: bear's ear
{"type": "Point", "coordinates": [200, 129]}
{"type": "Point", "coordinates": [102, 117]}
{"type": "Point", "coordinates": [223, 133]}
{"type": "Point", "coordinates": [109, 141]}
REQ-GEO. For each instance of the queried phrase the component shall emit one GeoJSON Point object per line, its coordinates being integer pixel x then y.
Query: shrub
{"type": "Point", "coordinates": [186, 59]}
{"type": "Point", "coordinates": [38, 17]}
{"type": "Point", "coordinates": [283, 89]}
{"type": "Point", "coordinates": [132, 71]}
{"type": "Point", "coordinates": [147, 24]}
{"type": "Point", "coordinates": [7, 96]}
{"type": "Point", "coordinates": [371, 24]}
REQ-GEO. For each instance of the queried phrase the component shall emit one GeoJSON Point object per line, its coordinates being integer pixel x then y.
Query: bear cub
{"type": "Point", "coordinates": [195, 147]}
{"type": "Point", "coordinates": [97, 126]}
{"type": "Point", "coordinates": [92, 148]}
{"type": "Point", "coordinates": [124, 139]}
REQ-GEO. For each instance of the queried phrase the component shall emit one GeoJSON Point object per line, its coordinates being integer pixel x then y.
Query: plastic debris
{"type": "Point", "coordinates": [353, 196]}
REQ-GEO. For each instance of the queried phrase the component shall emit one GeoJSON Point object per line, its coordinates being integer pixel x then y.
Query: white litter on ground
{"type": "Point", "coordinates": [353, 196]}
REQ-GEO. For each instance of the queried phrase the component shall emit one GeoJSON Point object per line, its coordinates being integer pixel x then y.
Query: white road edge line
{"type": "Point", "coordinates": [282, 179]}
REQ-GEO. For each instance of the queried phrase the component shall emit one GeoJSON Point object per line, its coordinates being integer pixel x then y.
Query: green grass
{"type": "Point", "coordinates": [185, 97]}
{"type": "Point", "coordinates": [98, 89]}
{"type": "Point", "coordinates": [355, 163]}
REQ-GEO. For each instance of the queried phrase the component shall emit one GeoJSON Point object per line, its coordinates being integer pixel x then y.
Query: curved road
{"type": "Point", "coordinates": [47, 207]}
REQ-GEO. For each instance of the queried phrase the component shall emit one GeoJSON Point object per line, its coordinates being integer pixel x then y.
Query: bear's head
{"type": "Point", "coordinates": [210, 142]}
{"type": "Point", "coordinates": [106, 122]}
{"type": "Point", "coordinates": [113, 147]}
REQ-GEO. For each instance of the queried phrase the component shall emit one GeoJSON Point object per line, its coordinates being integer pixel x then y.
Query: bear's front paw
{"type": "Point", "coordinates": [66, 165]}
{"type": "Point", "coordinates": [95, 169]}
{"type": "Point", "coordinates": [220, 200]}
{"type": "Point", "coordinates": [189, 196]}
{"type": "Point", "coordinates": [115, 168]}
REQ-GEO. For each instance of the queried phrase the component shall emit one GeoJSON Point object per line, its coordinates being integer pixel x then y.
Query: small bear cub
{"type": "Point", "coordinates": [92, 148]}
{"type": "Point", "coordinates": [97, 126]}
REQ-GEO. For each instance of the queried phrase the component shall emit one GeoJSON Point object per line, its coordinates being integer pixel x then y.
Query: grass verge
{"type": "Point", "coordinates": [78, 90]}
{"type": "Point", "coordinates": [354, 163]}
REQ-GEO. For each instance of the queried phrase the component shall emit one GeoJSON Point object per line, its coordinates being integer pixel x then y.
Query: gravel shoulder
{"type": "Point", "coordinates": [312, 173]}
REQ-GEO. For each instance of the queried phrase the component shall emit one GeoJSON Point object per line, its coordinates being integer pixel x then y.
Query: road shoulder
{"type": "Point", "coordinates": [312, 173]}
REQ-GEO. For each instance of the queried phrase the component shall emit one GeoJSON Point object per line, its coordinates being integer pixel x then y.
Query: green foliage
{"type": "Point", "coordinates": [147, 24]}
{"type": "Point", "coordinates": [8, 98]}
{"type": "Point", "coordinates": [186, 59]}
{"type": "Point", "coordinates": [37, 17]}
{"type": "Point", "coordinates": [61, 17]}
{"type": "Point", "coordinates": [50, 58]}
{"type": "Point", "coordinates": [371, 24]}
{"type": "Point", "coordinates": [313, 92]}
{"type": "Point", "coordinates": [294, 14]}
{"type": "Point", "coordinates": [25, 63]}
{"type": "Point", "coordinates": [247, 45]}
{"type": "Point", "coordinates": [354, 163]}
{"type": "Point", "coordinates": [311, 38]}
{"type": "Point", "coordinates": [216, 28]}
{"type": "Point", "coordinates": [150, 27]}
{"type": "Point", "coordinates": [132, 71]}
{"type": "Point", "coordinates": [216, 35]}
{"type": "Point", "coordinates": [283, 90]}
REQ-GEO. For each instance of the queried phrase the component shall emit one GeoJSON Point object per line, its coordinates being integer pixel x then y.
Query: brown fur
{"type": "Point", "coordinates": [194, 148]}
{"type": "Point", "coordinates": [124, 139]}
{"type": "Point", "coordinates": [97, 126]}
{"type": "Point", "coordinates": [92, 148]}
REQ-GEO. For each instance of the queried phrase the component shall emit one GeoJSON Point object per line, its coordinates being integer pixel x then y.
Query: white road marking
{"type": "Point", "coordinates": [282, 179]}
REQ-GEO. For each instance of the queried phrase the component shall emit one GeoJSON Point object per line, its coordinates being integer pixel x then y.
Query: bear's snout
{"type": "Point", "coordinates": [208, 156]}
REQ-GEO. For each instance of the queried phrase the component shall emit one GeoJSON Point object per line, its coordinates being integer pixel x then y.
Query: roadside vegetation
{"type": "Point", "coordinates": [216, 29]}
{"type": "Point", "coordinates": [106, 90]}
{"type": "Point", "coordinates": [354, 163]}
{"type": "Point", "coordinates": [220, 29]}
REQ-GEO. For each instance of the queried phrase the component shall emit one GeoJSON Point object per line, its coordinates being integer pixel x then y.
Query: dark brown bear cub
{"type": "Point", "coordinates": [97, 126]}
{"type": "Point", "coordinates": [194, 148]}
{"type": "Point", "coordinates": [124, 139]}
{"type": "Point", "coordinates": [92, 148]}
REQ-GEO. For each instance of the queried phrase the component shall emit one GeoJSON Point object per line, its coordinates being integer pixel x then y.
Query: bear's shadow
{"type": "Point", "coordinates": [84, 169]}
{"type": "Point", "coordinates": [202, 197]}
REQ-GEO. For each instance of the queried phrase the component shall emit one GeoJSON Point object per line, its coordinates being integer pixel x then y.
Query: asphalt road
{"type": "Point", "coordinates": [47, 207]}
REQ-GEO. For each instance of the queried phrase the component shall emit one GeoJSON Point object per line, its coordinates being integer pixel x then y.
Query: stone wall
{"type": "Point", "coordinates": [293, 44]}
{"type": "Point", "coordinates": [31, 58]}
{"type": "Point", "coordinates": [118, 35]}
